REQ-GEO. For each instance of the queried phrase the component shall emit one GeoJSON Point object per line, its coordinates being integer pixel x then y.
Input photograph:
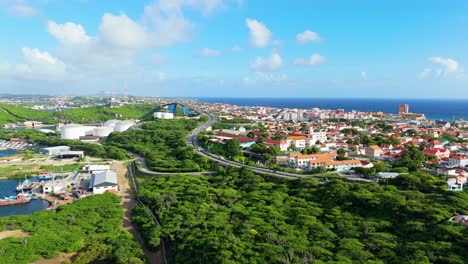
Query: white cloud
{"type": "Point", "coordinates": [260, 35]}
{"type": "Point", "coordinates": [68, 33]}
{"type": "Point", "coordinates": [267, 64]}
{"type": "Point", "coordinates": [36, 65]}
{"type": "Point", "coordinates": [449, 65]}
{"type": "Point", "coordinates": [307, 36]}
{"type": "Point", "coordinates": [448, 68]}
{"type": "Point", "coordinates": [425, 73]}
{"type": "Point", "coordinates": [206, 52]}
{"type": "Point", "coordinates": [22, 10]}
{"type": "Point", "coordinates": [364, 75]}
{"type": "Point", "coordinates": [315, 59]}
{"type": "Point", "coordinates": [122, 32]}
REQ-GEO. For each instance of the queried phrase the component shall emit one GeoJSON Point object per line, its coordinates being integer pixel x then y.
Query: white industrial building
{"type": "Point", "coordinates": [54, 151]}
{"type": "Point", "coordinates": [163, 115]}
{"type": "Point", "coordinates": [103, 182]}
{"type": "Point", "coordinates": [94, 168]}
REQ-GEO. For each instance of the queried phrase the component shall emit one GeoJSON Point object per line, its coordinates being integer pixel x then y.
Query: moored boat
{"type": "Point", "coordinates": [21, 198]}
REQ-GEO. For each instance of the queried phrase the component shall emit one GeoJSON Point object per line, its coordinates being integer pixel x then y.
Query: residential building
{"type": "Point", "coordinates": [460, 161]}
{"type": "Point", "coordinates": [438, 152]}
{"type": "Point", "coordinates": [327, 160]}
{"type": "Point", "coordinates": [297, 141]}
{"type": "Point", "coordinates": [373, 152]}
{"type": "Point", "coordinates": [317, 136]}
{"type": "Point", "coordinates": [282, 144]}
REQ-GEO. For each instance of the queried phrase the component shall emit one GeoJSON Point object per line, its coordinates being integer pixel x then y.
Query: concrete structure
{"type": "Point", "coordinates": [102, 131]}
{"type": "Point", "coordinates": [163, 115]}
{"type": "Point", "coordinates": [54, 151]}
{"type": "Point", "coordinates": [373, 152]}
{"type": "Point", "coordinates": [72, 131]}
{"type": "Point", "coordinates": [403, 109]}
{"type": "Point", "coordinates": [102, 182]}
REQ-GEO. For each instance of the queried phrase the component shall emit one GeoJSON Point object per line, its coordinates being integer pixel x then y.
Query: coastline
{"type": "Point", "coordinates": [434, 109]}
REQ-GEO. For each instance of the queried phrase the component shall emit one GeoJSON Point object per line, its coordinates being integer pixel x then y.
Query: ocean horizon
{"type": "Point", "coordinates": [435, 109]}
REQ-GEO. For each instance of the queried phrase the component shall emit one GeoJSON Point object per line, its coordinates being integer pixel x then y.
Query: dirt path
{"type": "Point", "coordinates": [13, 233]}
{"type": "Point", "coordinates": [128, 203]}
{"type": "Point", "coordinates": [61, 258]}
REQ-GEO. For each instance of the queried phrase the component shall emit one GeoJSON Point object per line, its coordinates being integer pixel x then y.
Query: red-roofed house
{"type": "Point", "coordinates": [438, 152]}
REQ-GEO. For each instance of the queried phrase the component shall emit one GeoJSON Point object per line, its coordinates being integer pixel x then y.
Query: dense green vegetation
{"type": "Point", "coordinates": [14, 113]}
{"type": "Point", "coordinates": [239, 217]}
{"type": "Point", "coordinates": [163, 144]}
{"type": "Point", "coordinates": [91, 226]}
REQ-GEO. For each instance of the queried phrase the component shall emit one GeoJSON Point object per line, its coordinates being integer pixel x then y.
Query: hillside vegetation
{"type": "Point", "coordinates": [14, 113]}
{"type": "Point", "coordinates": [240, 217]}
{"type": "Point", "coordinates": [163, 144]}
{"type": "Point", "coordinates": [92, 227]}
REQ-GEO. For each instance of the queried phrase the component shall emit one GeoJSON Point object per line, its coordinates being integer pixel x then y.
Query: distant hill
{"type": "Point", "coordinates": [14, 113]}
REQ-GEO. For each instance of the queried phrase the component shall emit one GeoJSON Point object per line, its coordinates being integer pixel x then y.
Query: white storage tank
{"type": "Point", "coordinates": [163, 115]}
{"type": "Point", "coordinates": [111, 123]}
{"type": "Point", "coordinates": [102, 131]}
{"type": "Point", "coordinates": [123, 125]}
{"type": "Point", "coordinates": [72, 131]}
{"type": "Point", "coordinates": [89, 130]}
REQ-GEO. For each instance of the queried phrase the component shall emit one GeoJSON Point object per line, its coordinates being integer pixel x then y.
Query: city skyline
{"type": "Point", "coordinates": [180, 48]}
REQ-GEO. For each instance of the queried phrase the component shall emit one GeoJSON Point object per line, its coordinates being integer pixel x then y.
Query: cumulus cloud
{"type": "Point", "coordinates": [37, 65]}
{"type": "Point", "coordinates": [206, 52]}
{"type": "Point", "coordinates": [22, 10]}
{"type": "Point", "coordinates": [307, 36]}
{"type": "Point", "coordinates": [273, 62]}
{"type": "Point", "coordinates": [447, 67]}
{"type": "Point", "coordinates": [260, 35]}
{"type": "Point", "coordinates": [68, 33]}
{"type": "Point", "coordinates": [315, 59]}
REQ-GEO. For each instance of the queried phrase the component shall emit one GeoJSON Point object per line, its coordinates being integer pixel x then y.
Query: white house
{"type": "Point", "coordinates": [460, 161]}
{"type": "Point", "coordinates": [102, 182]}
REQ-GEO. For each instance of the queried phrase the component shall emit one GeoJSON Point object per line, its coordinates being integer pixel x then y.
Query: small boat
{"type": "Point", "coordinates": [21, 198]}
{"type": "Point", "coordinates": [45, 177]}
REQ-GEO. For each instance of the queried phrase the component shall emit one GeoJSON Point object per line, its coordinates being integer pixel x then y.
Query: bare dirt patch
{"type": "Point", "coordinates": [13, 233]}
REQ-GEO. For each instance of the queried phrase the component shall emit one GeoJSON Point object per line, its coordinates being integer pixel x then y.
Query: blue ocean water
{"type": "Point", "coordinates": [446, 109]}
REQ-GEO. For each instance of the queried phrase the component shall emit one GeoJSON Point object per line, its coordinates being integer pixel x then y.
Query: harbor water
{"type": "Point", "coordinates": [8, 188]}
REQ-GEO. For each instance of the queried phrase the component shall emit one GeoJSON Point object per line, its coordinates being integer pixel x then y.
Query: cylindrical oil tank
{"type": "Point", "coordinates": [123, 125]}
{"type": "Point", "coordinates": [111, 123]}
{"type": "Point", "coordinates": [72, 131]}
{"type": "Point", "coordinates": [103, 131]}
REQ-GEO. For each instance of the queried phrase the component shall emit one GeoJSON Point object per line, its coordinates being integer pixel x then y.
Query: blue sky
{"type": "Point", "coordinates": [235, 48]}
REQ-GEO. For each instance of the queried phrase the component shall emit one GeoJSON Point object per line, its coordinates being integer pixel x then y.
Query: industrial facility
{"type": "Point", "coordinates": [77, 131]}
